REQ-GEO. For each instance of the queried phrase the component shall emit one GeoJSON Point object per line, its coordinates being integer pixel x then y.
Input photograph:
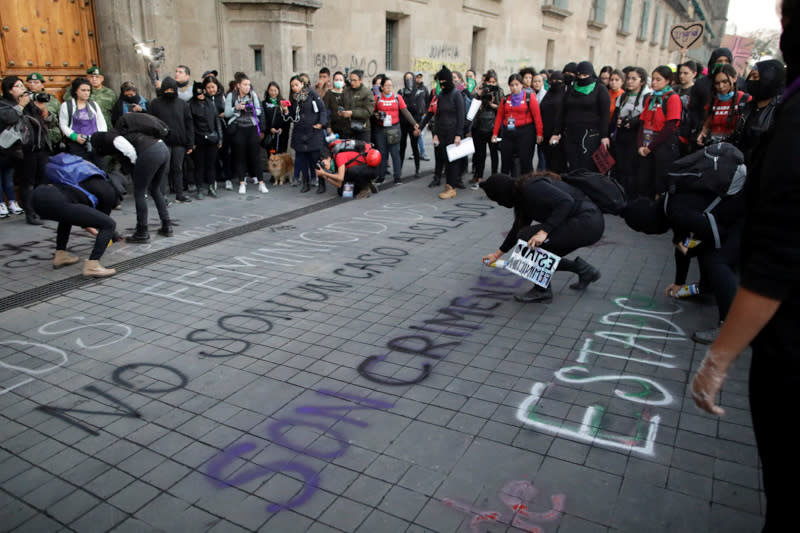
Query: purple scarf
{"type": "Point", "coordinates": [516, 99]}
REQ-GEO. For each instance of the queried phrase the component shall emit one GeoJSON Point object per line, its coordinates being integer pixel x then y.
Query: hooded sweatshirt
{"type": "Point", "coordinates": [586, 111]}
{"type": "Point", "coordinates": [448, 108]}
{"type": "Point", "coordinates": [175, 113]}
{"type": "Point", "coordinates": [414, 96]}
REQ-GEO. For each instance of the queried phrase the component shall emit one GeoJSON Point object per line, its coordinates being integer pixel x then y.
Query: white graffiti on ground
{"type": "Point", "coordinates": [519, 497]}
{"type": "Point", "coordinates": [593, 427]}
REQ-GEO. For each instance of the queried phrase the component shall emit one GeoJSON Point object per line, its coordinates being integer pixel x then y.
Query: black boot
{"type": "Point", "coordinates": [437, 181]}
{"type": "Point", "coordinates": [27, 204]}
{"type": "Point", "coordinates": [166, 229]}
{"type": "Point", "coordinates": [140, 237]}
{"type": "Point", "coordinates": [536, 295]}
{"type": "Point", "coordinates": [586, 273]}
{"type": "Point", "coordinates": [306, 187]}
{"type": "Point", "coordinates": [321, 186]}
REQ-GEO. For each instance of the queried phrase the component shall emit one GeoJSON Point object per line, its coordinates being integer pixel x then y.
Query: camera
{"type": "Point", "coordinates": [42, 97]}
{"type": "Point", "coordinates": [488, 92]}
{"type": "Point", "coordinates": [381, 115]}
{"type": "Point", "coordinates": [320, 166]}
{"type": "Point", "coordinates": [625, 122]}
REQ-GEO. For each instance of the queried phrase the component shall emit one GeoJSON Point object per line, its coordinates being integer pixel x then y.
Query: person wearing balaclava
{"type": "Point", "coordinates": [565, 221]}
{"type": "Point", "coordinates": [414, 97]}
{"type": "Point", "coordinates": [766, 310]}
{"type": "Point", "coordinates": [570, 71]}
{"type": "Point", "coordinates": [129, 100]}
{"type": "Point", "coordinates": [448, 109]}
{"type": "Point", "coordinates": [584, 121]}
{"type": "Point", "coordinates": [175, 113]}
{"type": "Point", "coordinates": [207, 139]}
{"type": "Point", "coordinates": [702, 91]}
{"type": "Point", "coordinates": [765, 83]}
{"type": "Point", "coordinates": [551, 109]}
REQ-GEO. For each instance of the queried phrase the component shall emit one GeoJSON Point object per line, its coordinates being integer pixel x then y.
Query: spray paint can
{"type": "Point", "coordinates": [500, 263]}
{"type": "Point", "coordinates": [692, 289]}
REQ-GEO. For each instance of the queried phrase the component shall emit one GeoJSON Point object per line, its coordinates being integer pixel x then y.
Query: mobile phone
{"type": "Point", "coordinates": [286, 103]}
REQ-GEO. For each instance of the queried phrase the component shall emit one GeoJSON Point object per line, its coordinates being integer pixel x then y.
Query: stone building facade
{"type": "Point", "coordinates": [273, 39]}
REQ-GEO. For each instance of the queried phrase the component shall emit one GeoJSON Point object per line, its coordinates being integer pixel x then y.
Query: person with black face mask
{"type": "Point", "coordinates": [765, 83]}
{"type": "Point", "coordinates": [551, 109]}
{"type": "Point", "coordinates": [450, 114]}
{"type": "Point", "coordinates": [585, 118]}
{"type": "Point", "coordinates": [766, 310]}
{"type": "Point", "coordinates": [565, 221]}
{"type": "Point", "coordinates": [129, 100]}
{"type": "Point", "coordinates": [414, 96]}
{"type": "Point", "coordinates": [570, 71]}
{"type": "Point", "coordinates": [207, 139]}
{"type": "Point", "coordinates": [175, 113]}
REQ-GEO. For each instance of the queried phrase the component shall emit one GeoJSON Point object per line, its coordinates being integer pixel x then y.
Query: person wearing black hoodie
{"type": "Point", "coordinates": [565, 221]}
{"type": "Point", "coordinates": [207, 139]}
{"type": "Point", "coordinates": [450, 116]}
{"type": "Point", "coordinates": [414, 97]}
{"type": "Point", "coordinates": [584, 120]}
{"type": "Point", "coordinates": [551, 108]}
{"type": "Point", "coordinates": [766, 310]}
{"type": "Point", "coordinates": [570, 71]}
{"type": "Point", "coordinates": [175, 113]}
{"type": "Point", "coordinates": [765, 83]}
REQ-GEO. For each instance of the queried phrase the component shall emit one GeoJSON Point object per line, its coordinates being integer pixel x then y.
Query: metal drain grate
{"type": "Point", "coordinates": [57, 288]}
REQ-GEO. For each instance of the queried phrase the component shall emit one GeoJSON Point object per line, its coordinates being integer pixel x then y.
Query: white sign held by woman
{"type": "Point", "coordinates": [536, 265]}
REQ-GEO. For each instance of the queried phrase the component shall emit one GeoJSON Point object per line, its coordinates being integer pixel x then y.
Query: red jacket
{"type": "Point", "coordinates": [523, 114]}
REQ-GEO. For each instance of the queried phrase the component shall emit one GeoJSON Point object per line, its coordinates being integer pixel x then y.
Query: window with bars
{"type": "Point", "coordinates": [391, 41]}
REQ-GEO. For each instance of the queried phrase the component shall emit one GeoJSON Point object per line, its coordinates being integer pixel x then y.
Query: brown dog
{"type": "Point", "coordinates": [281, 167]}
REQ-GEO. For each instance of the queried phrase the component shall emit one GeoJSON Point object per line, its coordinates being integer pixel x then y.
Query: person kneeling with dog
{"type": "Point", "coordinates": [350, 166]}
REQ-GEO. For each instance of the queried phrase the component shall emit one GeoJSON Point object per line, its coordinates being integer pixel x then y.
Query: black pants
{"type": "Point", "coordinates": [452, 169]}
{"type": "Point", "coordinates": [246, 153]}
{"type": "Point", "coordinates": [774, 380]}
{"type": "Point", "coordinates": [205, 163]}
{"type": "Point", "coordinates": [579, 146]}
{"type": "Point", "coordinates": [520, 141]}
{"type": "Point", "coordinates": [176, 156]}
{"type": "Point", "coordinates": [554, 156]}
{"type": "Point", "coordinates": [653, 170]}
{"type": "Point", "coordinates": [149, 175]}
{"type": "Point", "coordinates": [626, 169]}
{"type": "Point", "coordinates": [481, 140]}
{"type": "Point", "coordinates": [365, 136]}
{"type": "Point", "coordinates": [359, 176]}
{"type": "Point", "coordinates": [407, 135]}
{"type": "Point", "coordinates": [52, 204]}
{"type": "Point", "coordinates": [583, 228]}
{"type": "Point", "coordinates": [718, 268]}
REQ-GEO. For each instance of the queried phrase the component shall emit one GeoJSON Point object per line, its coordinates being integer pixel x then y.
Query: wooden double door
{"type": "Point", "coordinates": [56, 38]}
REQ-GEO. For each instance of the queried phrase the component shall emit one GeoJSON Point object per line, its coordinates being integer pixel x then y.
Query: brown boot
{"type": "Point", "coordinates": [62, 258]}
{"type": "Point", "coordinates": [449, 192]}
{"type": "Point", "coordinates": [93, 268]}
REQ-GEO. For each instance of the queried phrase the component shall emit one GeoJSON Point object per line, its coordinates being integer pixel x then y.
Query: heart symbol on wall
{"type": "Point", "coordinates": [686, 36]}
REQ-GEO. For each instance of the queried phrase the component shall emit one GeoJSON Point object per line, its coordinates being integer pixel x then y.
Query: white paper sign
{"type": "Point", "coordinates": [535, 265]}
{"type": "Point", "coordinates": [473, 108]}
{"type": "Point", "coordinates": [464, 149]}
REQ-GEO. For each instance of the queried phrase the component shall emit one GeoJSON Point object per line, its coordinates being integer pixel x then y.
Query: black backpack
{"type": "Point", "coordinates": [604, 191]}
{"type": "Point", "coordinates": [143, 123]}
{"type": "Point", "coordinates": [718, 168]}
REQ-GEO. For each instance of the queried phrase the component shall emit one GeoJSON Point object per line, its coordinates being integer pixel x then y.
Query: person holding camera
{"type": "Point", "coordinates": [491, 96]}
{"type": "Point", "coordinates": [360, 103]}
{"type": "Point", "coordinates": [243, 111]}
{"type": "Point", "coordinates": [38, 152]}
{"type": "Point", "coordinates": [35, 83]}
{"type": "Point", "coordinates": [12, 103]}
{"type": "Point", "coordinates": [350, 166]}
{"type": "Point", "coordinates": [207, 139]}
{"type": "Point", "coordinates": [79, 118]}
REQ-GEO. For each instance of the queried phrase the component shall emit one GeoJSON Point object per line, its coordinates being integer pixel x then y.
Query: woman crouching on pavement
{"type": "Point", "coordinates": [568, 221]}
{"type": "Point", "coordinates": [79, 195]}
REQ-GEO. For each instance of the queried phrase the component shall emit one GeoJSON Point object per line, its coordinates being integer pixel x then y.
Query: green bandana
{"type": "Point", "coordinates": [471, 84]}
{"type": "Point", "coordinates": [586, 89]}
{"type": "Point", "coordinates": [657, 97]}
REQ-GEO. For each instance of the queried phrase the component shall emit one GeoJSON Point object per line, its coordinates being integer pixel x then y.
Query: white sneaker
{"type": "Point", "coordinates": [262, 187]}
{"type": "Point", "coordinates": [242, 188]}
{"type": "Point", "coordinates": [3, 210]}
{"type": "Point", "coordinates": [228, 185]}
{"type": "Point", "coordinates": [14, 207]}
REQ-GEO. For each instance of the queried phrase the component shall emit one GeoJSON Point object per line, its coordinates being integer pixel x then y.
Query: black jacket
{"type": "Point", "coordinates": [450, 116]}
{"type": "Point", "coordinates": [175, 114]}
{"type": "Point", "coordinates": [548, 202]}
{"type": "Point", "coordinates": [551, 107]}
{"type": "Point", "coordinates": [588, 111]}
{"type": "Point", "coordinates": [304, 114]}
{"type": "Point", "coordinates": [206, 121]}
{"type": "Point", "coordinates": [415, 100]}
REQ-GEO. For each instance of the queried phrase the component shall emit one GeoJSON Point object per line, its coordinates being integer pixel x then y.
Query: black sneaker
{"type": "Point", "coordinates": [380, 180]}
{"type": "Point", "coordinates": [183, 199]}
{"type": "Point", "coordinates": [398, 181]}
{"type": "Point", "coordinates": [373, 188]}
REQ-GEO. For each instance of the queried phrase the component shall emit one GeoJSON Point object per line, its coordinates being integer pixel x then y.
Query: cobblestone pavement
{"type": "Point", "coordinates": [352, 366]}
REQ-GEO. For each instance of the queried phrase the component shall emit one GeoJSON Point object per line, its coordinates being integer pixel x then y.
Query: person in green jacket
{"type": "Point", "coordinates": [359, 105]}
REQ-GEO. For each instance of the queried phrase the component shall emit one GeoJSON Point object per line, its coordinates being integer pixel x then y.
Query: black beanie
{"type": "Point", "coordinates": [500, 188]}
{"type": "Point", "coordinates": [585, 67]}
{"type": "Point", "coordinates": [198, 88]}
{"type": "Point", "coordinates": [446, 75]}
{"type": "Point", "coordinates": [570, 68]}
{"type": "Point", "coordinates": [103, 142]}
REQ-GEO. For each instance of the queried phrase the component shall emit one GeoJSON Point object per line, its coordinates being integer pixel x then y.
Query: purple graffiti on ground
{"type": "Point", "coordinates": [518, 496]}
